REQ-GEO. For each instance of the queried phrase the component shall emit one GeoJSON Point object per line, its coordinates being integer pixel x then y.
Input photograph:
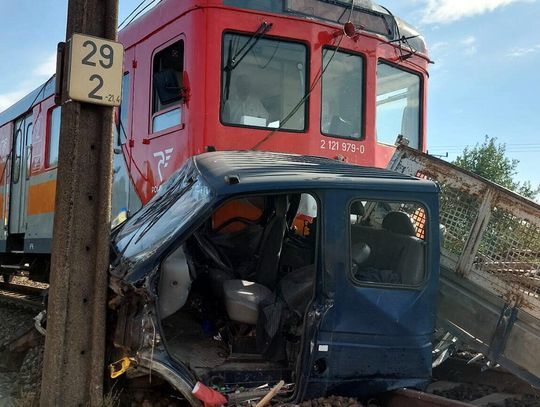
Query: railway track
{"type": "Point", "coordinates": [22, 296]}
{"type": "Point", "coordinates": [457, 384]}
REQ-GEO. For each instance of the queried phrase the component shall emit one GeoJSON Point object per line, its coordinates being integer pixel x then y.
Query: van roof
{"type": "Point", "coordinates": [224, 170]}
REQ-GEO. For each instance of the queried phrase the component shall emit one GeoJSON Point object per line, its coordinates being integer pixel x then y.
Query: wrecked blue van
{"type": "Point", "coordinates": [248, 268]}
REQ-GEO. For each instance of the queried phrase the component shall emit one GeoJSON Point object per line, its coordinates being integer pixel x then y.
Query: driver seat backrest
{"type": "Point", "coordinates": [269, 251]}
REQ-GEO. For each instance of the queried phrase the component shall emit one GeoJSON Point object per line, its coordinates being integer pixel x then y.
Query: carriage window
{"type": "Point", "coordinates": [398, 105]}
{"type": "Point", "coordinates": [123, 110]}
{"type": "Point", "coordinates": [388, 243]}
{"type": "Point", "coordinates": [168, 68]}
{"type": "Point", "coordinates": [263, 82]}
{"type": "Point", "coordinates": [342, 94]}
{"type": "Point", "coordinates": [54, 136]}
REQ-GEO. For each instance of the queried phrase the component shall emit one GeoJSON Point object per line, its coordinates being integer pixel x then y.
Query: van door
{"type": "Point", "coordinates": [20, 174]}
{"type": "Point", "coordinates": [374, 313]}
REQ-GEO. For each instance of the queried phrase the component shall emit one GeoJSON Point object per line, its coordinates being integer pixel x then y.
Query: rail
{"type": "Point", "coordinates": [22, 296]}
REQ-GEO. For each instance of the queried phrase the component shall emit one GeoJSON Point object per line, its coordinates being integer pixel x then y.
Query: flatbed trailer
{"type": "Point", "coordinates": [489, 295]}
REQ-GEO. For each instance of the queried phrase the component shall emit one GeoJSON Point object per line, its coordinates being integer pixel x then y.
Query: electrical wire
{"type": "Point", "coordinates": [139, 12]}
{"type": "Point", "coordinates": [130, 14]}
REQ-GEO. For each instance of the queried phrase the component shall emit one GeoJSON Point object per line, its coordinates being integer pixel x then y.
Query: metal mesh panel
{"type": "Point", "coordinates": [458, 211]}
{"type": "Point", "coordinates": [510, 250]}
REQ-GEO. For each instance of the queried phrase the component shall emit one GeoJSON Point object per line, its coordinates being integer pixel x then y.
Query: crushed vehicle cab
{"type": "Point", "coordinates": [248, 268]}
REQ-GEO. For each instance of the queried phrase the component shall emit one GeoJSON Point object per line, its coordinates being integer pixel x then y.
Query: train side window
{"type": "Point", "coordinates": [53, 136]}
{"type": "Point", "coordinates": [398, 104]}
{"type": "Point", "coordinates": [122, 125]}
{"type": "Point", "coordinates": [168, 67]}
{"type": "Point", "coordinates": [17, 152]}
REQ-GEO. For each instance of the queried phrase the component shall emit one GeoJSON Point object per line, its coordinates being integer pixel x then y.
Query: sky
{"type": "Point", "coordinates": [485, 78]}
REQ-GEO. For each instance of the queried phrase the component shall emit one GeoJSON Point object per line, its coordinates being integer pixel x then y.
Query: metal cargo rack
{"type": "Point", "coordinates": [489, 295]}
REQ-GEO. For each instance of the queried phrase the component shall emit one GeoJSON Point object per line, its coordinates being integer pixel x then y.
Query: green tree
{"type": "Point", "coordinates": [489, 160]}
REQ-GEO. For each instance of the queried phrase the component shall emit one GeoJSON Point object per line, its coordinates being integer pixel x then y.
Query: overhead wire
{"type": "Point", "coordinates": [137, 14]}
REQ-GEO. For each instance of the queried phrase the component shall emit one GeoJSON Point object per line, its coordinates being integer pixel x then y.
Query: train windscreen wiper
{"type": "Point", "coordinates": [234, 61]}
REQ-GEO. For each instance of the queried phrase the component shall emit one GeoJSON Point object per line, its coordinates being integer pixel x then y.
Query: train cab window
{"type": "Point", "coordinates": [168, 67]}
{"type": "Point", "coordinates": [388, 243]}
{"type": "Point", "coordinates": [398, 105]}
{"type": "Point", "coordinates": [54, 136]}
{"type": "Point", "coordinates": [342, 94]}
{"type": "Point", "coordinates": [263, 82]}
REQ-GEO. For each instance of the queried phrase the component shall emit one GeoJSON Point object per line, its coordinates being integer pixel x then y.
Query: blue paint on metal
{"type": "Point", "coordinates": [358, 340]}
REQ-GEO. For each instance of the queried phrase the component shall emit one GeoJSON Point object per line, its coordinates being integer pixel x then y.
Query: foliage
{"type": "Point", "coordinates": [489, 160]}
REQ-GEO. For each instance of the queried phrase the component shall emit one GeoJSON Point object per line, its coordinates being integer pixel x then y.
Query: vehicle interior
{"type": "Point", "coordinates": [232, 298]}
{"type": "Point", "coordinates": [388, 243]}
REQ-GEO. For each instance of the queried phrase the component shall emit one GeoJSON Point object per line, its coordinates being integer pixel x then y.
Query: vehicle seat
{"type": "Point", "coordinates": [408, 249]}
{"type": "Point", "coordinates": [242, 299]}
{"type": "Point", "coordinates": [270, 245]}
{"type": "Point", "coordinates": [394, 248]}
{"type": "Point", "coordinates": [398, 222]}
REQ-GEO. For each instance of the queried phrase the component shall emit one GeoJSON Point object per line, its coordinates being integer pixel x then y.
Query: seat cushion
{"type": "Point", "coordinates": [242, 299]}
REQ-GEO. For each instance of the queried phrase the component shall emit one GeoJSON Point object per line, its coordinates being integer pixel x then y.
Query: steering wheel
{"type": "Point", "coordinates": [213, 253]}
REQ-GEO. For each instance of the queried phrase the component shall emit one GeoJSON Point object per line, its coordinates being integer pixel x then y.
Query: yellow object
{"type": "Point", "coordinates": [119, 368]}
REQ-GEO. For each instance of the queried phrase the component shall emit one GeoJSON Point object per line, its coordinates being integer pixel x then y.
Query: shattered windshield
{"type": "Point", "coordinates": [177, 203]}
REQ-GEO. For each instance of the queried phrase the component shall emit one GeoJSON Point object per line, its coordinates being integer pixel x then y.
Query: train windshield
{"type": "Point", "coordinates": [398, 105]}
{"type": "Point", "coordinates": [342, 94]}
{"type": "Point", "coordinates": [263, 82]}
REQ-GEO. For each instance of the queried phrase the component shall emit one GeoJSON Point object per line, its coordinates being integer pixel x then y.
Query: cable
{"type": "Point", "coordinates": [41, 89]}
{"type": "Point", "coordinates": [140, 11]}
{"type": "Point", "coordinates": [130, 14]}
{"type": "Point", "coordinates": [301, 102]}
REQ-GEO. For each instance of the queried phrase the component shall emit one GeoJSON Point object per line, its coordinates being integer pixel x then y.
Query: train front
{"type": "Point", "coordinates": [295, 76]}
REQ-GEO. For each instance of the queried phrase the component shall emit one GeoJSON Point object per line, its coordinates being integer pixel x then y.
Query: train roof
{"type": "Point", "coordinates": [26, 103]}
{"type": "Point", "coordinates": [368, 15]}
{"type": "Point", "coordinates": [269, 170]}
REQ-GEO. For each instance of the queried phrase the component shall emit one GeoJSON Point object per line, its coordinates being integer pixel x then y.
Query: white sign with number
{"type": "Point", "coordinates": [95, 70]}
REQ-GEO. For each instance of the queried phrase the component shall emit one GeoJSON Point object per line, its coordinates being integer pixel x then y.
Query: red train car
{"type": "Point", "coordinates": [200, 75]}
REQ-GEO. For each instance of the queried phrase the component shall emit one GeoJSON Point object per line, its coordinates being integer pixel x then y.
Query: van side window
{"type": "Point", "coordinates": [388, 243]}
{"type": "Point", "coordinates": [168, 67]}
{"type": "Point", "coordinates": [53, 136]}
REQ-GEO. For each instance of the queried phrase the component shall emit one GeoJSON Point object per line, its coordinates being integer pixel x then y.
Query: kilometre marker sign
{"type": "Point", "coordinates": [95, 70]}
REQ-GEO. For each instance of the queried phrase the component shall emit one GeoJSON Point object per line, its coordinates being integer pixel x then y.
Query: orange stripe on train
{"type": "Point", "coordinates": [41, 198]}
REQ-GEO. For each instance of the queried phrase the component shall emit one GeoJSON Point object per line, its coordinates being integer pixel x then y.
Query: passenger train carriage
{"type": "Point", "coordinates": [203, 75]}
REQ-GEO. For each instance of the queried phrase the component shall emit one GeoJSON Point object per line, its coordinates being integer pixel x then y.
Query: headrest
{"type": "Point", "coordinates": [357, 208]}
{"type": "Point", "coordinates": [398, 222]}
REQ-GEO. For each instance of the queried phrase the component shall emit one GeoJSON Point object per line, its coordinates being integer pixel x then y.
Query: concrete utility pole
{"type": "Point", "coordinates": [74, 346]}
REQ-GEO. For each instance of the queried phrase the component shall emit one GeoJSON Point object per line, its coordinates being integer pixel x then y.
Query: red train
{"type": "Point", "coordinates": [200, 75]}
